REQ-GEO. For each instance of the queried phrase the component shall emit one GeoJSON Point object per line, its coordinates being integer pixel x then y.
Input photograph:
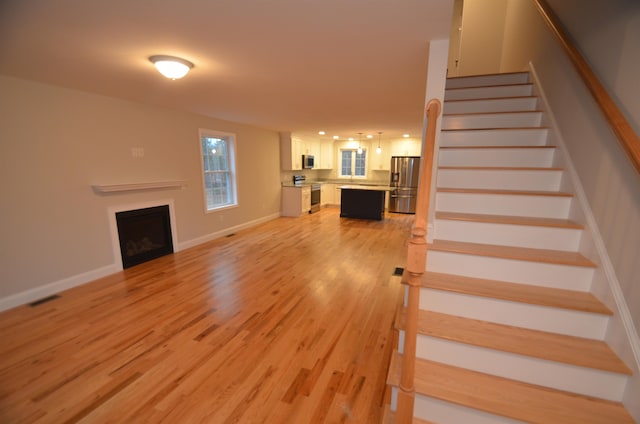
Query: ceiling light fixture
{"type": "Point", "coordinates": [170, 66]}
{"type": "Point", "coordinates": [360, 143]}
{"type": "Point", "coordinates": [379, 149]}
{"type": "Point", "coordinates": [336, 137]}
{"type": "Point", "coordinates": [405, 135]}
{"type": "Point", "coordinates": [321, 132]}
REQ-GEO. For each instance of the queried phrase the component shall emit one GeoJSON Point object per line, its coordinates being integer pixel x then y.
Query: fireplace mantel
{"type": "Point", "coordinates": [155, 185]}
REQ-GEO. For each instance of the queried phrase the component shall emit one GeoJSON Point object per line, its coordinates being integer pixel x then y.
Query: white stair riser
{"type": "Point", "coordinates": [556, 375]}
{"type": "Point", "coordinates": [516, 157]}
{"type": "Point", "coordinates": [492, 120]}
{"type": "Point", "coordinates": [490, 105]}
{"type": "Point", "coordinates": [440, 411]}
{"type": "Point", "coordinates": [488, 80]}
{"type": "Point", "coordinates": [504, 204]}
{"type": "Point", "coordinates": [509, 179]}
{"type": "Point", "coordinates": [394, 398]}
{"type": "Point", "coordinates": [497, 137]}
{"type": "Point", "coordinates": [567, 239]}
{"type": "Point", "coordinates": [489, 92]}
{"type": "Point", "coordinates": [535, 317]}
{"type": "Point", "coordinates": [511, 270]}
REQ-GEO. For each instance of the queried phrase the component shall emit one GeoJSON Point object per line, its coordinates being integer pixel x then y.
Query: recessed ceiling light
{"type": "Point", "coordinates": [321, 132]}
{"type": "Point", "coordinates": [369, 136]}
{"type": "Point", "coordinates": [336, 137]}
{"type": "Point", "coordinates": [170, 66]}
{"type": "Point", "coordinates": [405, 135]}
{"type": "Point", "coordinates": [350, 138]}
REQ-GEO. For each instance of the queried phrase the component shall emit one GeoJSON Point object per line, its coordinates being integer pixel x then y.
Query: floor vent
{"type": "Point", "coordinates": [44, 300]}
{"type": "Point", "coordinates": [398, 271]}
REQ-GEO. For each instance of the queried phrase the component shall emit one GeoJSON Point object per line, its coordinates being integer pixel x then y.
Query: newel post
{"type": "Point", "coordinates": [416, 265]}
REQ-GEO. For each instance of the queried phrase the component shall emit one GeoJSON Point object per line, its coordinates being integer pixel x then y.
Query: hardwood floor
{"type": "Point", "coordinates": [287, 322]}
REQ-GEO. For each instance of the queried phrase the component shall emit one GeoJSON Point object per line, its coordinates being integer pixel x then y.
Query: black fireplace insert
{"type": "Point", "coordinates": [144, 234]}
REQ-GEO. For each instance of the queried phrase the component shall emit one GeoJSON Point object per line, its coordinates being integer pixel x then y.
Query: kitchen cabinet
{"type": "Point", "coordinates": [365, 203]}
{"type": "Point", "coordinates": [305, 199]}
{"type": "Point", "coordinates": [291, 201]}
{"type": "Point", "coordinates": [406, 147]}
{"type": "Point", "coordinates": [326, 155]}
{"type": "Point", "coordinates": [291, 151]}
{"type": "Point", "coordinates": [295, 200]}
{"type": "Point", "coordinates": [380, 162]}
{"type": "Point", "coordinates": [328, 194]}
{"type": "Point", "coordinates": [324, 194]}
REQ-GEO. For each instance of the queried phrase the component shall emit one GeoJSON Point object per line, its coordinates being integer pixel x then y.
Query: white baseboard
{"type": "Point", "coordinates": [226, 231]}
{"type": "Point", "coordinates": [40, 292]}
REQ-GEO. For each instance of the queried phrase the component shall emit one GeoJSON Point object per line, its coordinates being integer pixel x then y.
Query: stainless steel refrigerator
{"type": "Point", "coordinates": [405, 171]}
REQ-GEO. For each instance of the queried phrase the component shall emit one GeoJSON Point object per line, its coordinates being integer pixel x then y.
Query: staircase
{"type": "Point", "coordinates": [508, 330]}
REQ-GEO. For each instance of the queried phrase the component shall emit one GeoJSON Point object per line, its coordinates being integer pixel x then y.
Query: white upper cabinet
{"type": "Point", "coordinates": [291, 151]}
{"type": "Point", "coordinates": [326, 153]}
{"type": "Point", "coordinates": [382, 161]}
{"type": "Point", "coordinates": [406, 147]}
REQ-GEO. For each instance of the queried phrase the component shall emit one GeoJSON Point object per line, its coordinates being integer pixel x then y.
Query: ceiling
{"type": "Point", "coordinates": [342, 66]}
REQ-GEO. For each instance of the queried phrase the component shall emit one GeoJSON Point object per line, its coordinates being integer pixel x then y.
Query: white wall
{"type": "Point", "coordinates": [608, 34]}
{"type": "Point", "coordinates": [611, 185]}
{"type": "Point", "coordinates": [56, 143]}
{"type": "Point", "coordinates": [482, 34]}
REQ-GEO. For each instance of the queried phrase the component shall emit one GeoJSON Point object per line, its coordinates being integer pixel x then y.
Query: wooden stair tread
{"type": "Point", "coordinates": [561, 348]}
{"type": "Point", "coordinates": [509, 398]}
{"type": "Point", "coordinates": [517, 84]}
{"type": "Point", "coordinates": [510, 220]}
{"type": "Point", "coordinates": [482, 99]}
{"type": "Point", "coordinates": [502, 191]}
{"type": "Point", "coordinates": [524, 293]}
{"type": "Point", "coordinates": [500, 168]}
{"type": "Point", "coordinates": [497, 147]}
{"type": "Point", "coordinates": [490, 74]}
{"type": "Point", "coordinates": [549, 256]}
{"type": "Point", "coordinates": [503, 112]}
{"type": "Point", "coordinates": [493, 129]}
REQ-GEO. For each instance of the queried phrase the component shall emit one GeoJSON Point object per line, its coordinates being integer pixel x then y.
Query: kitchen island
{"type": "Point", "coordinates": [366, 202]}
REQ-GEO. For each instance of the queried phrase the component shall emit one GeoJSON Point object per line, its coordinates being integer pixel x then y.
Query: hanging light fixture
{"type": "Point", "coordinates": [359, 143]}
{"type": "Point", "coordinates": [379, 149]}
{"type": "Point", "coordinates": [170, 66]}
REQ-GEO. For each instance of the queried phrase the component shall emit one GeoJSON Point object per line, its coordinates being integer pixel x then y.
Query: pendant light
{"type": "Point", "coordinates": [379, 149]}
{"type": "Point", "coordinates": [359, 143]}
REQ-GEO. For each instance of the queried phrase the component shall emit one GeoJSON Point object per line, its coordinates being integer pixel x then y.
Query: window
{"type": "Point", "coordinates": [218, 159]}
{"type": "Point", "coordinates": [352, 163]}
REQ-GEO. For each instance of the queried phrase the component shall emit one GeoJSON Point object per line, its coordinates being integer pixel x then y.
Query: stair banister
{"type": "Point", "coordinates": [416, 264]}
{"type": "Point", "coordinates": [619, 124]}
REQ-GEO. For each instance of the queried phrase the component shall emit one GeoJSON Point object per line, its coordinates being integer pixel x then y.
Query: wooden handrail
{"type": "Point", "coordinates": [619, 124]}
{"type": "Point", "coordinates": [416, 265]}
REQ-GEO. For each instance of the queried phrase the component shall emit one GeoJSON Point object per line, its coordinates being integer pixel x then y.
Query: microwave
{"type": "Point", "coordinates": [307, 161]}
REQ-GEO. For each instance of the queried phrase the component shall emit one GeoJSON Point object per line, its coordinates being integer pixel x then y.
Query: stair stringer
{"type": "Point", "coordinates": [621, 335]}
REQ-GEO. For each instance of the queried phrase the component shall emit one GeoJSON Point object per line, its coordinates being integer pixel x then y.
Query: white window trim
{"type": "Point", "coordinates": [366, 164]}
{"type": "Point", "coordinates": [232, 164]}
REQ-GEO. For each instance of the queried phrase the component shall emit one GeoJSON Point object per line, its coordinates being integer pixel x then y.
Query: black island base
{"type": "Point", "coordinates": [362, 203]}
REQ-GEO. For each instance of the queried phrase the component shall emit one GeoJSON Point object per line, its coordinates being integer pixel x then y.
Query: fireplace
{"type": "Point", "coordinates": [144, 234]}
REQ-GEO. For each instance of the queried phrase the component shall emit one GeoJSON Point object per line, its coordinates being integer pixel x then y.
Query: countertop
{"type": "Point", "coordinates": [364, 187]}
{"type": "Point", "coordinates": [341, 183]}
{"type": "Point", "coordinates": [297, 185]}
